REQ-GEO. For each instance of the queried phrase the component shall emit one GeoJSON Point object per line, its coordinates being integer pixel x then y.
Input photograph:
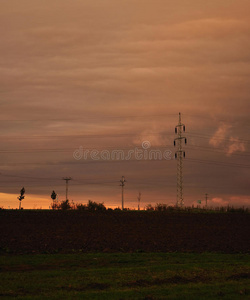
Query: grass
{"type": "Point", "coordinates": [125, 276]}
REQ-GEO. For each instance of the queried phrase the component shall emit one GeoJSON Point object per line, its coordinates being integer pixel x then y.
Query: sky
{"type": "Point", "coordinates": [82, 79]}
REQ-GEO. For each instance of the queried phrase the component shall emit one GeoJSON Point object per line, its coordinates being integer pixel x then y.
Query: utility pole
{"type": "Point", "coordinates": [139, 200]}
{"type": "Point", "coordinates": [179, 155]}
{"type": "Point", "coordinates": [206, 197]}
{"type": "Point", "coordinates": [122, 181]}
{"type": "Point", "coordinates": [67, 179]}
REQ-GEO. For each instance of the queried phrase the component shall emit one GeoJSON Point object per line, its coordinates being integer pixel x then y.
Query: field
{"type": "Point", "coordinates": [117, 231]}
{"type": "Point", "coordinates": [125, 276]}
{"type": "Point", "coordinates": [124, 255]}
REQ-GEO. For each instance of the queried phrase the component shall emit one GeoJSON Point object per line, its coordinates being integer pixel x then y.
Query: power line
{"type": "Point", "coordinates": [161, 185]}
{"type": "Point", "coordinates": [118, 135]}
{"type": "Point", "coordinates": [89, 162]}
{"type": "Point", "coordinates": [66, 150]}
{"type": "Point", "coordinates": [225, 164]}
{"type": "Point", "coordinates": [218, 150]}
{"type": "Point", "coordinates": [6, 151]}
{"type": "Point", "coordinates": [87, 136]}
{"type": "Point", "coordinates": [29, 177]}
{"type": "Point", "coordinates": [119, 117]}
{"type": "Point", "coordinates": [88, 117]}
{"type": "Point", "coordinates": [207, 136]}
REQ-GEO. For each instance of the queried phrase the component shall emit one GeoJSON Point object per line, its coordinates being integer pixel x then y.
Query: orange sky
{"type": "Point", "coordinates": [110, 74]}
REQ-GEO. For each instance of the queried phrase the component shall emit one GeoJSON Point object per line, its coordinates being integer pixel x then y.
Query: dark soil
{"type": "Point", "coordinates": [112, 231]}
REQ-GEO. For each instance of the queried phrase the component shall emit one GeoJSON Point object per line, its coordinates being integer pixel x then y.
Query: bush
{"type": "Point", "coordinates": [64, 205]}
{"type": "Point", "coordinates": [81, 207]}
{"type": "Point", "coordinates": [94, 206]}
{"type": "Point", "coordinates": [149, 207]}
{"type": "Point", "coordinates": [161, 207]}
{"type": "Point", "coordinates": [55, 204]}
{"type": "Point", "coordinates": [237, 210]}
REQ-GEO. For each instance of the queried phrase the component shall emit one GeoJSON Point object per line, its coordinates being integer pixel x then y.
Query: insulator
{"type": "Point", "coordinates": [184, 128]}
{"type": "Point", "coordinates": [175, 129]}
{"type": "Point", "coordinates": [184, 154]}
{"type": "Point", "coordinates": [174, 143]}
{"type": "Point", "coordinates": [185, 140]}
{"type": "Point", "coordinates": [175, 155]}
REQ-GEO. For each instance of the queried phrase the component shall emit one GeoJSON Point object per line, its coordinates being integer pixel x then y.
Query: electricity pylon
{"type": "Point", "coordinates": [67, 179]}
{"type": "Point", "coordinates": [179, 155]}
{"type": "Point", "coordinates": [122, 181]}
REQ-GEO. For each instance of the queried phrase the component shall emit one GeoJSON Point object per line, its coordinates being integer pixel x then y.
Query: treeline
{"type": "Point", "coordinates": [165, 207]}
{"type": "Point", "coordinates": [159, 207]}
{"type": "Point", "coordinates": [67, 205]}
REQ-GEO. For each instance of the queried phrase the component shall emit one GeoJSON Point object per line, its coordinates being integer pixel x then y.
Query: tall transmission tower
{"type": "Point", "coordinates": [67, 179]}
{"type": "Point", "coordinates": [179, 155]}
{"type": "Point", "coordinates": [122, 181]}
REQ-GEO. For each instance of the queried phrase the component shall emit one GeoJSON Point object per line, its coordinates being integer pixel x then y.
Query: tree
{"type": "Point", "coordinates": [65, 205]}
{"type": "Point", "coordinates": [21, 197]}
{"type": "Point", "coordinates": [93, 206]}
{"type": "Point", "coordinates": [149, 207]}
{"type": "Point", "coordinates": [161, 207]}
{"type": "Point", "coordinates": [53, 197]}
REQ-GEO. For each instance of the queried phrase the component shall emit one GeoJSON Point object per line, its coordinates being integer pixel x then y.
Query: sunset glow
{"type": "Point", "coordinates": [111, 76]}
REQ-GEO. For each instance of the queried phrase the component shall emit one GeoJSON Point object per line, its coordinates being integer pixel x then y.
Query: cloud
{"type": "Point", "coordinates": [240, 200]}
{"type": "Point", "coordinates": [155, 135]}
{"type": "Point", "coordinates": [219, 201]}
{"type": "Point", "coordinates": [229, 143]}
{"type": "Point", "coordinates": [220, 134]}
{"type": "Point", "coordinates": [213, 28]}
{"type": "Point", "coordinates": [88, 60]}
{"type": "Point", "coordinates": [236, 145]}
